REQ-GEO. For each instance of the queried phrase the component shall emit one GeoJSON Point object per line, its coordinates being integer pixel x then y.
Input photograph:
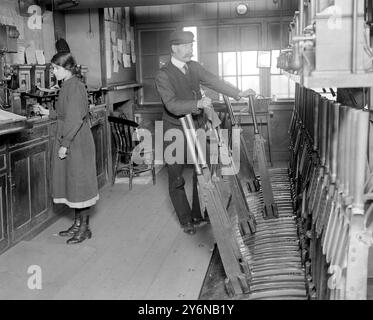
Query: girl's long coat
{"type": "Point", "coordinates": [74, 180]}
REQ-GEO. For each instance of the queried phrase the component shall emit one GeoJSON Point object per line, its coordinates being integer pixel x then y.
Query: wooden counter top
{"type": "Point", "coordinates": [7, 127]}
{"type": "Point", "coordinates": [13, 126]}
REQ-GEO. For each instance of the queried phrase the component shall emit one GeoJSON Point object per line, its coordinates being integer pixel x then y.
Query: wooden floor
{"type": "Point", "coordinates": [138, 251]}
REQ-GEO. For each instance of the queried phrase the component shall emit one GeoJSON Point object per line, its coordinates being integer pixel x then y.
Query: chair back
{"type": "Point", "coordinates": [122, 130]}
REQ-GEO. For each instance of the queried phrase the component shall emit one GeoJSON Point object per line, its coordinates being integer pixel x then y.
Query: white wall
{"type": "Point", "coordinates": [41, 39]}
{"type": "Point", "coordinates": [85, 47]}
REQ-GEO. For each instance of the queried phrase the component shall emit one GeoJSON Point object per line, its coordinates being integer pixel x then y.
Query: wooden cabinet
{"type": "Point", "coordinates": [4, 234]}
{"type": "Point", "coordinates": [29, 189]}
{"type": "Point", "coordinates": [26, 205]}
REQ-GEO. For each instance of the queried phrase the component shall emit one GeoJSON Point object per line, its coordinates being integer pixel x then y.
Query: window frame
{"type": "Point", "coordinates": [276, 72]}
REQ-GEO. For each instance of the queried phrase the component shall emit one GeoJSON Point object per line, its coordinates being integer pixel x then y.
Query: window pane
{"type": "Point", "coordinates": [229, 64]}
{"type": "Point", "coordinates": [250, 82]}
{"type": "Point", "coordinates": [195, 44]}
{"type": "Point", "coordinates": [292, 89]}
{"type": "Point", "coordinates": [231, 80]}
{"type": "Point", "coordinates": [220, 64]}
{"type": "Point", "coordinates": [248, 59]}
{"type": "Point", "coordinates": [282, 87]}
{"type": "Point", "coordinates": [275, 55]}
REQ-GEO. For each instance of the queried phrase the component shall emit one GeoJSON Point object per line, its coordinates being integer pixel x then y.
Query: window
{"type": "Point", "coordinates": [195, 44]}
{"type": "Point", "coordinates": [240, 69]}
{"type": "Point", "coordinates": [281, 86]}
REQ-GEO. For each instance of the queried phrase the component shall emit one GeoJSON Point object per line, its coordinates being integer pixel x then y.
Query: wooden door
{"type": "Point", "coordinates": [4, 235]}
{"type": "Point", "coordinates": [28, 188]}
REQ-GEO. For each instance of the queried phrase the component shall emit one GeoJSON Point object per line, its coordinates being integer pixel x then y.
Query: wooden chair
{"type": "Point", "coordinates": [122, 131]}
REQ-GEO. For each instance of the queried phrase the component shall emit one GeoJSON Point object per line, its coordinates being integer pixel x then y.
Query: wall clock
{"type": "Point", "coordinates": [241, 9]}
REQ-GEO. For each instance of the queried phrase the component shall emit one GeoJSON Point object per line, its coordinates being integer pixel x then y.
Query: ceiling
{"type": "Point", "coordinates": [87, 4]}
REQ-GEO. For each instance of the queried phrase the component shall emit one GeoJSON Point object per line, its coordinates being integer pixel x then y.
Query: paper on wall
{"type": "Point", "coordinates": [128, 30]}
{"type": "Point", "coordinates": [115, 59]}
{"type": "Point", "coordinates": [120, 45]}
{"type": "Point", "coordinates": [124, 44]}
{"type": "Point", "coordinates": [107, 50]}
{"type": "Point", "coordinates": [48, 35]}
{"type": "Point", "coordinates": [30, 55]}
{"type": "Point", "coordinates": [133, 52]}
{"type": "Point", "coordinates": [117, 14]}
{"type": "Point", "coordinates": [113, 35]}
{"type": "Point", "coordinates": [127, 15]}
{"type": "Point", "coordinates": [20, 27]}
{"type": "Point", "coordinates": [119, 56]}
{"type": "Point", "coordinates": [40, 57]}
{"type": "Point", "coordinates": [19, 57]}
{"type": "Point", "coordinates": [126, 60]}
{"type": "Point", "coordinates": [106, 14]}
{"type": "Point", "coordinates": [111, 13]}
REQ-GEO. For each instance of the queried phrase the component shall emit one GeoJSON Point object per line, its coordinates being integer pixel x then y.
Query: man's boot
{"type": "Point", "coordinates": [83, 233]}
{"type": "Point", "coordinates": [74, 228]}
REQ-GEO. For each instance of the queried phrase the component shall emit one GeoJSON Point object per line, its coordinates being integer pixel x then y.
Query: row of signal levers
{"type": "Point", "coordinates": [328, 170]}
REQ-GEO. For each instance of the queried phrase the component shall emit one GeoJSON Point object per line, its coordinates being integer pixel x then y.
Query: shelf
{"type": "Point", "coordinates": [333, 80]}
{"type": "Point", "coordinates": [36, 96]}
{"type": "Point", "coordinates": [123, 86]}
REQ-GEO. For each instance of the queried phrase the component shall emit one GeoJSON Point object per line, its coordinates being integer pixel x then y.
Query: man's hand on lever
{"type": "Point", "coordinates": [205, 102]}
{"type": "Point", "coordinates": [246, 93]}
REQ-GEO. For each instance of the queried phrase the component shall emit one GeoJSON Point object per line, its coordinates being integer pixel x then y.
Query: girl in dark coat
{"type": "Point", "coordinates": [74, 180]}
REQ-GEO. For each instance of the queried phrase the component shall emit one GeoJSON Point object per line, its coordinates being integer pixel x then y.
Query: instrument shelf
{"type": "Point", "coordinates": [333, 79]}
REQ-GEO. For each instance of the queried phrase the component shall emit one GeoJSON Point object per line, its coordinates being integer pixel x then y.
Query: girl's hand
{"type": "Point", "coordinates": [62, 151]}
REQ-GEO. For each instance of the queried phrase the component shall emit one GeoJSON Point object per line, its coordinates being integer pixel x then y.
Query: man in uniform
{"type": "Point", "coordinates": [178, 84]}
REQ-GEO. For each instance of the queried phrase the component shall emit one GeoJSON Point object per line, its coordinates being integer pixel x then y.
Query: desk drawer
{"type": "Point", "coordinates": [29, 135]}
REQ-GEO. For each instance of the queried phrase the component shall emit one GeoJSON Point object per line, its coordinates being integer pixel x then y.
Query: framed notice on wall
{"type": "Point", "coordinates": [264, 59]}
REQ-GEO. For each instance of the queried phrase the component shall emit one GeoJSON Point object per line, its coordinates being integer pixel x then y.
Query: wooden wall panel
{"type": "Point", "coordinates": [150, 93]}
{"type": "Point", "coordinates": [86, 48]}
{"type": "Point", "coordinates": [21, 209]}
{"type": "Point", "coordinates": [38, 182]}
{"type": "Point", "coordinates": [42, 39]}
{"type": "Point", "coordinates": [163, 44]}
{"type": "Point", "coordinates": [189, 12]}
{"type": "Point", "coordinates": [209, 61]}
{"type": "Point", "coordinates": [274, 35]}
{"type": "Point", "coordinates": [4, 238]}
{"type": "Point", "coordinates": [207, 39]}
{"type": "Point", "coordinates": [228, 38]}
{"type": "Point", "coordinates": [154, 48]}
{"type": "Point", "coordinates": [150, 65]}
{"type": "Point", "coordinates": [148, 42]}
{"type": "Point", "coordinates": [211, 10]}
{"type": "Point", "coordinates": [251, 37]}
{"type": "Point", "coordinates": [219, 30]}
